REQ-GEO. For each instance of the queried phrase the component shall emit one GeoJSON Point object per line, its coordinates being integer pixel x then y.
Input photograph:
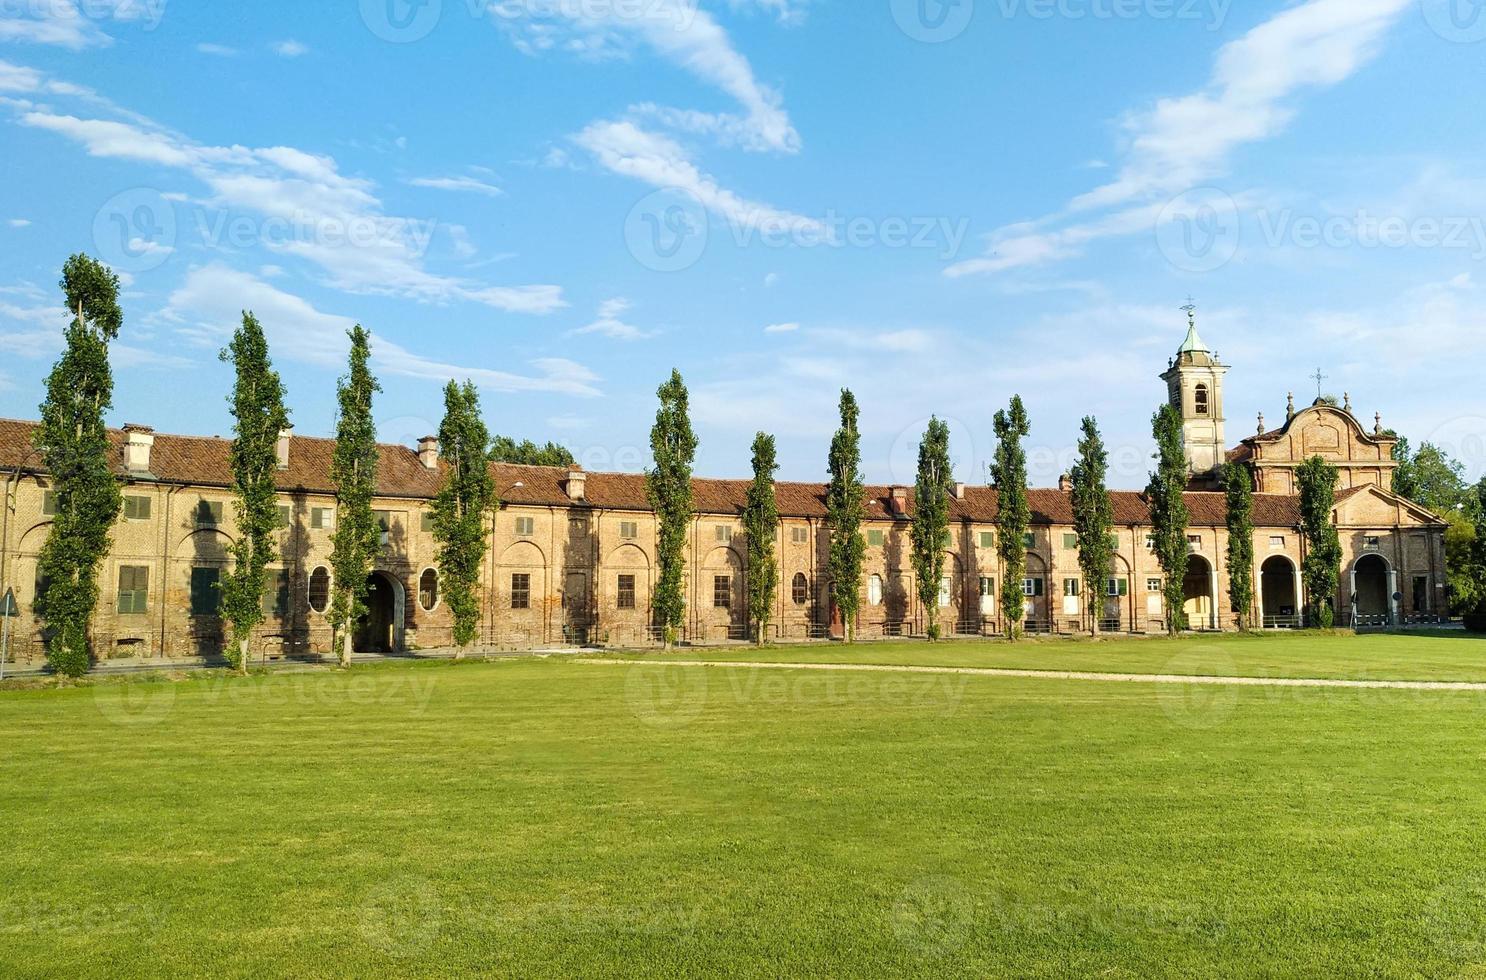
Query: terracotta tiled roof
{"type": "Point", "coordinates": [204, 461]}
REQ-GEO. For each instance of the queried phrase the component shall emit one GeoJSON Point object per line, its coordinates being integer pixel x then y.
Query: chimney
{"type": "Point", "coordinates": [428, 452]}
{"type": "Point", "coordinates": [899, 501]}
{"type": "Point", "coordinates": [138, 439]}
{"type": "Point", "coordinates": [281, 449]}
{"type": "Point", "coordinates": [1065, 483]}
{"type": "Point", "coordinates": [577, 485]}
{"type": "Point", "coordinates": [959, 491]}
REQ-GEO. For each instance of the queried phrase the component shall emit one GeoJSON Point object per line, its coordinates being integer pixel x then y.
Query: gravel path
{"type": "Point", "coordinates": [1067, 675]}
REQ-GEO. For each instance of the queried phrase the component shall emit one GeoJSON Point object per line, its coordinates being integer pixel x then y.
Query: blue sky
{"type": "Point", "coordinates": [936, 204]}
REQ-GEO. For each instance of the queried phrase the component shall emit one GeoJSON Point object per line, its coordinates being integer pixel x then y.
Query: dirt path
{"type": "Point", "coordinates": [1065, 675]}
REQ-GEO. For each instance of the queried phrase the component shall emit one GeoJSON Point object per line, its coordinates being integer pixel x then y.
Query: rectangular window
{"type": "Point", "coordinates": [1153, 585]}
{"type": "Point", "coordinates": [1032, 587]}
{"type": "Point", "coordinates": [577, 526]}
{"type": "Point", "coordinates": [48, 503]}
{"type": "Point", "coordinates": [1030, 540]}
{"type": "Point", "coordinates": [1114, 542]}
{"type": "Point", "coordinates": [526, 526]}
{"type": "Point", "coordinates": [629, 530]}
{"type": "Point", "coordinates": [988, 539]}
{"type": "Point", "coordinates": [1150, 542]}
{"type": "Point", "coordinates": [799, 535]}
{"type": "Point", "coordinates": [134, 590]}
{"type": "Point", "coordinates": [384, 521]}
{"type": "Point", "coordinates": [276, 593]}
{"type": "Point", "coordinates": [626, 592]}
{"type": "Point", "coordinates": [1117, 587]}
{"type": "Point", "coordinates": [948, 540]}
{"type": "Point", "coordinates": [520, 591]}
{"type": "Point", "coordinates": [286, 516]}
{"type": "Point", "coordinates": [1373, 543]}
{"type": "Point", "coordinates": [722, 592]}
{"type": "Point", "coordinates": [208, 513]}
{"type": "Point", "coordinates": [723, 532]}
{"type": "Point", "coordinates": [136, 508]}
{"type": "Point", "coordinates": [206, 595]}
{"type": "Point", "coordinates": [1277, 541]}
{"type": "Point", "coordinates": [946, 591]}
{"type": "Point", "coordinates": [1070, 588]}
{"type": "Point", "coordinates": [1070, 542]}
{"type": "Point", "coordinates": [425, 521]}
{"type": "Point", "coordinates": [1194, 540]}
{"type": "Point", "coordinates": [875, 539]}
{"type": "Point", "coordinates": [322, 518]}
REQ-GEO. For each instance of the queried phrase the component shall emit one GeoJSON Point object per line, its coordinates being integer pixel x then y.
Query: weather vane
{"type": "Point", "coordinates": [1191, 309]}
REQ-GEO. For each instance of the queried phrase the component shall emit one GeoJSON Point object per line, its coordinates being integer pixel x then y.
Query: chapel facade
{"type": "Point", "coordinates": [572, 556]}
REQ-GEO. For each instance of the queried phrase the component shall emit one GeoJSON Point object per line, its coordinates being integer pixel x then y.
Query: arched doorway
{"type": "Point", "coordinates": [1279, 593]}
{"type": "Point", "coordinates": [1197, 594]}
{"type": "Point", "coordinates": [379, 630]}
{"type": "Point", "coordinates": [1370, 591]}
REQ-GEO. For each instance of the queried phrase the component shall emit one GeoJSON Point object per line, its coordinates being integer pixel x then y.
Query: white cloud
{"type": "Point", "coordinates": [290, 48]}
{"type": "Point", "coordinates": [19, 223]}
{"type": "Point", "coordinates": [55, 22]}
{"type": "Point", "coordinates": [771, 280]}
{"type": "Point", "coordinates": [1182, 142]}
{"type": "Point", "coordinates": [217, 50]}
{"type": "Point", "coordinates": [208, 306]}
{"type": "Point", "coordinates": [458, 184]}
{"type": "Point", "coordinates": [609, 323]}
{"type": "Point", "coordinates": [330, 219]}
{"type": "Point", "coordinates": [782, 328]}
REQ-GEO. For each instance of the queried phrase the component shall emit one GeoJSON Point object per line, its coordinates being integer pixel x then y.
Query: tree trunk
{"type": "Point", "coordinates": [346, 649]}
{"type": "Point", "coordinates": [242, 656]}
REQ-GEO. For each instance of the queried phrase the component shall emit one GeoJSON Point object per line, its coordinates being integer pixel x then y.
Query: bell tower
{"type": "Point", "coordinates": [1194, 385]}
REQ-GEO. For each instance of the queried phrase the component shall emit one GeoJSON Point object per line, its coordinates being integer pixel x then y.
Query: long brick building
{"type": "Point", "coordinates": [572, 553]}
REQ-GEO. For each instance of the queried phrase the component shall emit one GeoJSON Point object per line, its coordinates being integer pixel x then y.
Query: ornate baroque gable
{"type": "Point", "coordinates": [1364, 458]}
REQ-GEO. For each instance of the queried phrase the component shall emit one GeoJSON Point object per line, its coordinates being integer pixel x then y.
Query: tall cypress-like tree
{"type": "Point", "coordinates": [673, 445]}
{"type": "Point", "coordinates": [761, 525]}
{"type": "Point", "coordinates": [1014, 511]}
{"type": "Point", "coordinates": [1169, 517]}
{"type": "Point", "coordinates": [353, 469]}
{"type": "Point", "coordinates": [846, 508]}
{"type": "Point", "coordinates": [1239, 487]}
{"type": "Point", "coordinates": [460, 511]}
{"type": "Point", "coordinates": [1093, 518]}
{"type": "Point", "coordinates": [1322, 571]}
{"type": "Point", "coordinates": [931, 518]}
{"type": "Point", "coordinates": [73, 442]}
{"type": "Point", "coordinates": [259, 416]}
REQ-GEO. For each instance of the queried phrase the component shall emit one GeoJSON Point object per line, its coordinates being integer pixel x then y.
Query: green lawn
{"type": "Point", "coordinates": [543, 817]}
{"type": "Point", "coordinates": [1443, 656]}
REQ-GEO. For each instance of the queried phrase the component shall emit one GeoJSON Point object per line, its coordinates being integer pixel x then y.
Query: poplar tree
{"type": "Point", "coordinates": [1322, 568]}
{"type": "Point", "coordinates": [353, 470]}
{"type": "Point", "coordinates": [73, 442]}
{"type": "Point", "coordinates": [761, 525]}
{"type": "Point", "coordinates": [846, 508]}
{"type": "Point", "coordinates": [1093, 518]}
{"type": "Point", "coordinates": [1014, 511]}
{"type": "Point", "coordinates": [1169, 517]}
{"type": "Point", "coordinates": [461, 508]}
{"type": "Point", "coordinates": [259, 417]}
{"type": "Point", "coordinates": [931, 518]}
{"type": "Point", "coordinates": [673, 445]}
{"type": "Point", "coordinates": [1239, 487]}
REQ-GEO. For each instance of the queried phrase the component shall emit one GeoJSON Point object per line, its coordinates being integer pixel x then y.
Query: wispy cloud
{"type": "Point", "coordinates": [217, 50]}
{"type": "Point", "coordinates": [782, 328]}
{"type": "Point", "coordinates": [1184, 141]}
{"type": "Point", "coordinates": [609, 323]}
{"type": "Point", "coordinates": [290, 48]}
{"type": "Point", "coordinates": [19, 223]}
{"type": "Point", "coordinates": [469, 184]}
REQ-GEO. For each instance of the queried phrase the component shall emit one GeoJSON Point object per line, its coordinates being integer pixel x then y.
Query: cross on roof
{"type": "Point", "coordinates": [1190, 309]}
{"type": "Point", "coordinates": [1320, 380]}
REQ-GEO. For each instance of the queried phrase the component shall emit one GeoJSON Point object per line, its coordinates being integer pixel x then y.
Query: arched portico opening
{"type": "Point", "coordinates": [380, 629]}
{"type": "Point", "coordinates": [1199, 600]}
{"type": "Point", "coordinates": [1372, 591]}
{"type": "Point", "coordinates": [1279, 593]}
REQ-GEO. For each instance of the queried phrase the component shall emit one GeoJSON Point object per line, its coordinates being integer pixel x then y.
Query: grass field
{"type": "Point", "coordinates": [545, 817]}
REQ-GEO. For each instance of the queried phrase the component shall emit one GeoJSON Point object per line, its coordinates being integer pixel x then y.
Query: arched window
{"type": "Point", "coordinates": [874, 590]}
{"type": "Point", "coordinates": [800, 590]}
{"type": "Point", "coordinates": [320, 589]}
{"type": "Point", "coordinates": [1202, 400]}
{"type": "Point", "coordinates": [428, 589]}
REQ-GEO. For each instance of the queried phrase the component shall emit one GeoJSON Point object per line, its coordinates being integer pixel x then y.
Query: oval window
{"type": "Point", "coordinates": [320, 589]}
{"type": "Point", "coordinates": [428, 589]}
{"type": "Point", "coordinates": [800, 589]}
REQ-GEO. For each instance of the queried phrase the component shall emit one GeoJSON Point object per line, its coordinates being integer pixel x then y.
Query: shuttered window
{"type": "Point", "coordinates": [134, 590]}
{"type": "Point", "coordinates": [276, 594]}
{"type": "Point", "coordinates": [626, 592]}
{"type": "Point", "coordinates": [136, 508]}
{"type": "Point", "coordinates": [206, 594]}
{"type": "Point", "coordinates": [208, 513]}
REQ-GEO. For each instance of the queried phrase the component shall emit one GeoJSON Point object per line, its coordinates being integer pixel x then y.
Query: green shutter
{"type": "Point", "coordinates": [1070, 541]}
{"type": "Point", "coordinates": [134, 590]}
{"type": "Point", "coordinates": [427, 520]}
{"type": "Point", "coordinates": [206, 596]}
